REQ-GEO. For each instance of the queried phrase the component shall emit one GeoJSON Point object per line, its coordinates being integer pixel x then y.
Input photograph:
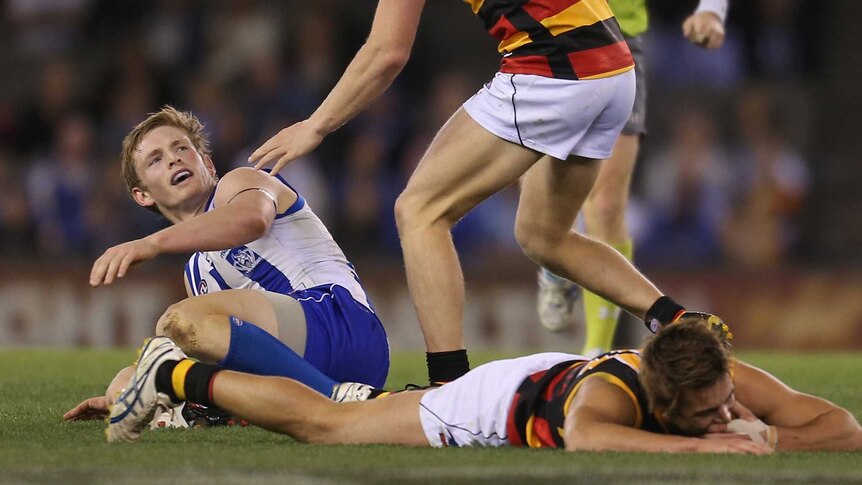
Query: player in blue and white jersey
{"type": "Point", "coordinates": [271, 293]}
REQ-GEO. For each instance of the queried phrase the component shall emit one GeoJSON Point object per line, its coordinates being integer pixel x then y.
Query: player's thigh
{"type": "Point", "coordinates": [248, 305]}
{"type": "Point", "coordinates": [552, 193]}
{"type": "Point", "coordinates": [615, 175]}
{"type": "Point", "coordinates": [464, 165]}
{"type": "Point", "coordinates": [393, 419]}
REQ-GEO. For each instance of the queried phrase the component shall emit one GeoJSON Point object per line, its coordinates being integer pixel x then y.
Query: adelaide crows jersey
{"type": "Point", "coordinates": [566, 39]}
{"type": "Point", "coordinates": [539, 408]}
{"type": "Point", "coordinates": [297, 253]}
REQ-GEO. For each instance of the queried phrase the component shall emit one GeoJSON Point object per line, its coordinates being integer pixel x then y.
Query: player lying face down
{"type": "Point", "coordinates": [682, 393]}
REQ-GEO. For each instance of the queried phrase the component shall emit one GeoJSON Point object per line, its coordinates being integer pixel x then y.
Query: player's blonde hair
{"type": "Point", "coordinates": [684, 356]}
{"type": "Point", "coordinates": [167, 116]}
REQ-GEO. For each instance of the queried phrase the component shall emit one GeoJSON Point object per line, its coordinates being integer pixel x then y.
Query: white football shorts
{"type": "Point", "coordinates": [472, 410]}
{"type": "Point", "coordinates": [557, 117]}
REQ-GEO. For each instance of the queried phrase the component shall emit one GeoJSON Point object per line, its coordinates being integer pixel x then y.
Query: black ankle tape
{"type": "Point", "coordinates": [447, 366]}
{"type": "Point", "coordinates": [661, 313]}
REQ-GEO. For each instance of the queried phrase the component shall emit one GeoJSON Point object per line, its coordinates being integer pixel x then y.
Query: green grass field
{"type": "Point", "coordinates": [37, 386]}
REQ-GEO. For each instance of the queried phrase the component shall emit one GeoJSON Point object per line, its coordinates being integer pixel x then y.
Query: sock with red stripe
{"type": "Point", "coordinates": [186, 380]}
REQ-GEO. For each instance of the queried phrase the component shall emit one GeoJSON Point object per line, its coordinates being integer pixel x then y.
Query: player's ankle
{"type": "Point", "coordinates": [447, 366]}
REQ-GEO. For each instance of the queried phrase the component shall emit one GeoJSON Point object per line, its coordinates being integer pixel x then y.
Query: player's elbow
{"type": "Point", "coordinates": [256, 227]}
{"type": "Point", "coordinates": [847, 433]}
{"type": "Point", "coordinates": [578, 437]}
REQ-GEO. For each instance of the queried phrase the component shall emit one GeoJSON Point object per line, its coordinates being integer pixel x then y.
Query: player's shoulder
{"type": "Point", "coordinates": [244, 178]}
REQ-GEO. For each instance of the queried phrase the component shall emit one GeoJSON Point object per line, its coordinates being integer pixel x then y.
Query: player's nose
{"type": "Point", "coordinates": [723, 415]}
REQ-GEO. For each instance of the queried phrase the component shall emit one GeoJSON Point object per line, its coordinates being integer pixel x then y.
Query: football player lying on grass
{"type": "Point", "coordinates": [682, 393]}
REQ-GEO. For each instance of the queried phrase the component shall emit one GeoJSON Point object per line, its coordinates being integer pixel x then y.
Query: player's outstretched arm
{"type": "Point", "coordinates": [803, 421]}
{"type": "Point", "coordinates": [705, 27]}
{"type": "Point", "coordinates": [602, 417]}
{"type": "Point", "coordinates": [368, 75]}
{"type": "Point", "coordinates": [246, 203]}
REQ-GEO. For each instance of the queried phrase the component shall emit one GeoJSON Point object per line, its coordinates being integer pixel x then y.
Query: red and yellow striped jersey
{"type": "Point", "coordinates": [538, 410]}
{"type": "Point", "coordinates": [567, 39]}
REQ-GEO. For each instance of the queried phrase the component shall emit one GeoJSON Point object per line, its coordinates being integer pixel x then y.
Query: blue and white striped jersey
{"type": "Point", "coordinates": [297, 253]}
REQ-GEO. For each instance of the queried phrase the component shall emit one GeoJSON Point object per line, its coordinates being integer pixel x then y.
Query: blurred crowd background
{"type": "Point", "coordinates": [737, 168]}
{"type": "Point", "coordinates": [746, 198]}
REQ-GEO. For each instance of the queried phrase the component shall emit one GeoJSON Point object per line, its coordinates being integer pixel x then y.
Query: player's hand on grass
{"type": "Point", "coordinates": [288, 144]}
{"type": "Point", "coordinates": [704, 29]}
{"type": "Point", "coordinates": [116, 261]}
{"type": "Point", "coordinates": [93, 408]}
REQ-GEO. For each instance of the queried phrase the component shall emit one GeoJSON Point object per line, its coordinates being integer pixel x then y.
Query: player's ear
{"type": "Point", "coordinates": [210, 165]}
{"type": "Point", "coordinates": [142, 198]}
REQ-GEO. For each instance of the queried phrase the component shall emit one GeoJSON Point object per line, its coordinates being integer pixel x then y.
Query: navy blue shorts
{"type": "Point", "coordinates": [346, 340]}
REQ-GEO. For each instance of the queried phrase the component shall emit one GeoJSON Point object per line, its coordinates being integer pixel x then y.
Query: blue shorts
{"type": "Point", "coordinates": [345, 340]}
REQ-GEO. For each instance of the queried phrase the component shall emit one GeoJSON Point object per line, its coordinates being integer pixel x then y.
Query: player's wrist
{"type": "Point", "coordinates": [664, 311]}
{"type": "Point", "coordinates": [772, 437]}
{"type": "Point", "coordinates": [155, 242]}
{"type": "Point", "coordinates": [716, 7]}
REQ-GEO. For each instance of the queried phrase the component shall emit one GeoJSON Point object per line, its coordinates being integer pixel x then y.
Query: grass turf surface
{"type": "Point", "coordinates": [37, 386]}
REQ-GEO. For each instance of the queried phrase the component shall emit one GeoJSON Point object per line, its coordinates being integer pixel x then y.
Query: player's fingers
{"type": "Point", "coordinates": [98, 271]}
{"type": "Point", "coordinates": [111, 271]}
{"type": "Point", "coordinates": [272, 155]}
{"type": "Point", "coordinates": [687, 27]}
{"type": "Point", "coordinates": [77, 411]}
{"type": "Point", "coordinates": [755, 448]}
{"type": "Point", "coordinates": [280, 164]}
{"type": "Point", "coordinates": [261, 151]}
{"type": "Point", "coordinates": [124, 265]}
{"type": "Point", "coordinates": [715, 40]}
{"type": "Point", "coordinates": [723, 436]}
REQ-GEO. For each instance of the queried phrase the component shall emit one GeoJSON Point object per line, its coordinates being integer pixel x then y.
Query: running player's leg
{"type": "Point", "coordinates": [605, 207]}
{"type": "Point", "coordinates": [604, 219]}
{"type": "Point", "coordinates": [552, 192]}
{"type": "Point", "coordinates": [238, 329]}
{"type": "Point", "coordinates": [464, 165]}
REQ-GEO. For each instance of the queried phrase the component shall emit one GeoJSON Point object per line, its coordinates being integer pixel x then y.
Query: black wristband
{"type": "Point", "coordinates": [447, 366]}
{"type": "Point", "coordinates": [662, 312]}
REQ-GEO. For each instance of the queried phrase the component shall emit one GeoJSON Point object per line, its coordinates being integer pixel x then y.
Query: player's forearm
{"type": "Point", "coordinates": [370, 73]}
{"type": "Point", "coordinates": [223, 228]}
{"type": "Point", "coordinates": [833, 430]}
{"type": "Point", "coordinates": [612, 437]}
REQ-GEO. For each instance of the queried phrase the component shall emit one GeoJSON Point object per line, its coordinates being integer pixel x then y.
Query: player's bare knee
{"type": "Point", "coordinates": [538, 245]}
{"type": "Point", "coordinates": [180, 325]}
{"type": "Point", "coordinates": [406, 210]}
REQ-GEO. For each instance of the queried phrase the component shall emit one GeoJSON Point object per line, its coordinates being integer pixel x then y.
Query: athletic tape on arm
{"type": "Point", "coordinates": [265, 192]}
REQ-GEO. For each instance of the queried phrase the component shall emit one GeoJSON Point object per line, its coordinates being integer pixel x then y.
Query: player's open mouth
{"type": "Point", "coordinates": [180, 177]}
